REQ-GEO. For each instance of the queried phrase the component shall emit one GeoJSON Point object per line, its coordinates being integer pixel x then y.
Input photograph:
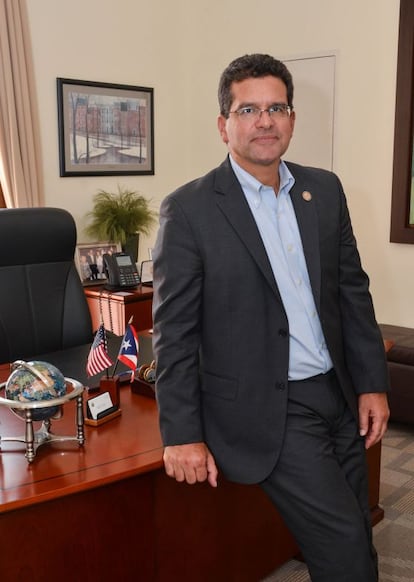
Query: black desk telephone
{"type": "Point", "coordinates": [121, 271]}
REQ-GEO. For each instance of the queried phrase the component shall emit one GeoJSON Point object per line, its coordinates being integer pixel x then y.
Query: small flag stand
{"type": "Point", "coordinates": [106, 406]}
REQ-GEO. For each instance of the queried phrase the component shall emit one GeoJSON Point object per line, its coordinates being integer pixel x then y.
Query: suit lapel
{"type": "Point", "coordinates": [234, 206]}
{"type": "Point", "coordinates": [304, 203]}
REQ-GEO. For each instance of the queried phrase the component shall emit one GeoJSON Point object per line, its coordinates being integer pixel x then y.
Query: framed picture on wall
{"type": "Point", "coordinates": [89, 261]}
{"type": "Point", "coordinates": [402, 208]}
{"type": "Point", "coordinates": [104, 129]}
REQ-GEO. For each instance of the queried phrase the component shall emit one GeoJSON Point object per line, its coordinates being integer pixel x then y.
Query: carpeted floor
{"type": "Point", "coordinates": [394, 535]}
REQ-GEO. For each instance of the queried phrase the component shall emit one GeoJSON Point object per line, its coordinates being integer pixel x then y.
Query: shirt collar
{"type": "Point", "coordinates": [252, 188]}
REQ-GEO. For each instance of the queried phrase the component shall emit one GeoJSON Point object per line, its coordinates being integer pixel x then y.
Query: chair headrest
{"type": "Point", "coordinates": [36, 235]}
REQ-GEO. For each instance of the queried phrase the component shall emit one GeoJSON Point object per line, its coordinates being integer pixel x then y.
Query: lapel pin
{"type": "Point", "coordinates": [307, 196]}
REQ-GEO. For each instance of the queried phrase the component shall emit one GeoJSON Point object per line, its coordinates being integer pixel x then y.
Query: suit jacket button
{"type": "Point", "coordinates": [283, 332]}
{"type": "Point", "coordinates": [281, 385]}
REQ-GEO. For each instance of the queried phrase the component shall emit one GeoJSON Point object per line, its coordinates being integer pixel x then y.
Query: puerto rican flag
{"type": "Point", "coordinates": [128, 353]}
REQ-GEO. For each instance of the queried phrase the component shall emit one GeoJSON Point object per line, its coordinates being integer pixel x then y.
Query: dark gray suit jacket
{"type": "Point", "coordinates": [221, 336]}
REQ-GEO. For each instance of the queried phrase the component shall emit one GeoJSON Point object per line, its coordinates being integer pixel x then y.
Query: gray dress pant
{"type": "Point", "coordinates": [320, 484]}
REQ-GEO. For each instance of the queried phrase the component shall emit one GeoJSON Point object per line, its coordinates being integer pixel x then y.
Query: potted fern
{"type": "Point", "coordinates": [120, 218]}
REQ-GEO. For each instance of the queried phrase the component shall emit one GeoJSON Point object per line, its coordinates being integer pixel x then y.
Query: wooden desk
{"type": "Point", "coordinates": [108, 512]}
{"type": "Point", "coordinates": [119, 306]}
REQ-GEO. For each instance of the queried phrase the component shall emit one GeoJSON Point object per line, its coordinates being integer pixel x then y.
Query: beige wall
{"type": "Point", "coordinates": [180, 49]}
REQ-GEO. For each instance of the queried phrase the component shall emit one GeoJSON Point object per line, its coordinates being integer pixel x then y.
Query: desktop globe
{"type": "Point", "coordinates": [34, 382]}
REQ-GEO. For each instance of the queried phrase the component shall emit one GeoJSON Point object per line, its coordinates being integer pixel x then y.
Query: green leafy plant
{"type": "Point", "coordinates": [116, 217]}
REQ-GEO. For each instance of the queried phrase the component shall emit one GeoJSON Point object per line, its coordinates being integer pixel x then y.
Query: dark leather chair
{"type": "Point", "coordinates": [401, 369]}
{"type": "Point", "coordinates": [42, 304]}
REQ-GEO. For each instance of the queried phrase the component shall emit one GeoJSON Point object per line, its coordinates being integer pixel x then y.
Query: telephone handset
{"type": "Point", "coordinates": [121, 271]}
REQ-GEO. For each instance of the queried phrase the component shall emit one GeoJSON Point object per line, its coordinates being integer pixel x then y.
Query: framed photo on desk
{"type": "Point", "coordinates": [89, 261]}
{"type": "Point", "coordinates": [146, 272]}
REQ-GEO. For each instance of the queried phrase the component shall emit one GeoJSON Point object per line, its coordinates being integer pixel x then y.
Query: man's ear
{"type": "Point", "coordinates": [221, 124]}
{"type": "Point", "coordinates": [292, 120]}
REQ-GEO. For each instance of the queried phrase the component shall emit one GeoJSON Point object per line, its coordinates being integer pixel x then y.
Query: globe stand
{"type": "Point", "coordinates": [34, 439]}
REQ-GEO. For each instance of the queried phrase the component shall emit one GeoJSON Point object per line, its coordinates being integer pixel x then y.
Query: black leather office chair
{"type": "Point", "coordinates": [42, 304]}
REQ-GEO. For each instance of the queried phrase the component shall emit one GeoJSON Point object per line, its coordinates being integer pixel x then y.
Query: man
{"type": "Point", "coordinates": [270, 364]}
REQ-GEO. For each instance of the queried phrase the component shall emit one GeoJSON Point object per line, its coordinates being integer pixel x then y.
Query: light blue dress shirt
{"type": "Point", "coordinates": [276, 220]}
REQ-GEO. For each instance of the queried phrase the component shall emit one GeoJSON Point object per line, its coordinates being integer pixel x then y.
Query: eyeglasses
{"type": "Point", "coordinates": [276, 111]}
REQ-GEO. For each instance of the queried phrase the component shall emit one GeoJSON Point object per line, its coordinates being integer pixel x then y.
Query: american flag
{"type": "Point", "coordinates": [98, 359]}
{"type": "Point", "coordinates": [128, 354]}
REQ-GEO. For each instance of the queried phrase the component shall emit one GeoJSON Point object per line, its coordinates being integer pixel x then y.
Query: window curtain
{"type": "Point", "coordinates": [20, 163]}
{"type": "Point", "coordinates": [2, 201]}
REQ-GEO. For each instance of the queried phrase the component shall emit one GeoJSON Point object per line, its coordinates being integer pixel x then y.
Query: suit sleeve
{"type": "Point", "coordinates": [363, 343]}
{"type": "Point", "coordinates": [178, 282]}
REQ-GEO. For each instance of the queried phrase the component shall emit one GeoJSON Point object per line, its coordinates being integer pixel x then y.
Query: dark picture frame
{"type": "Point", "coordinates": [89, 262]}
{"type": "Point", "coordinates": [105, 129]}
{"type": "Point", "coordinates": [402, 206]}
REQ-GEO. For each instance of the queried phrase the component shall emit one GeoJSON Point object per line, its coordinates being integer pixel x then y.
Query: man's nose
{"type": "Point", "coordinates": [264, 119]}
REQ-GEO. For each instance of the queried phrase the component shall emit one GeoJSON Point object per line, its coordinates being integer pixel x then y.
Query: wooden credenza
{"type": "Point", "coordinates": [116, 308]}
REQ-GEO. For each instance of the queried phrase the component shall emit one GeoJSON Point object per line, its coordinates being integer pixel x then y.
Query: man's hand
{"type": "Point", "coordinates": [373, 416]}
{"type": "Point", "coordinates": [191, 463]}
